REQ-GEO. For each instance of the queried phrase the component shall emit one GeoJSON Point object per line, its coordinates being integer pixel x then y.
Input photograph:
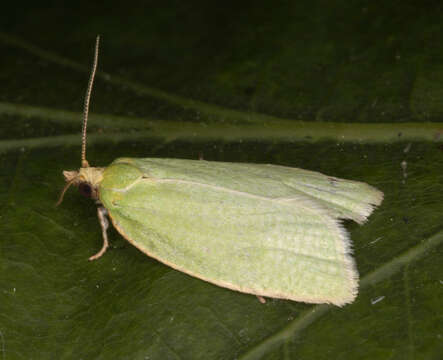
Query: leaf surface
{"type": "Point", "coordinates": [363, 64]}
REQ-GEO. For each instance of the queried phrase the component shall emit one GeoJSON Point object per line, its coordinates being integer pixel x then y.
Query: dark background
{"type": "Point", "coordinates": [350, 89]}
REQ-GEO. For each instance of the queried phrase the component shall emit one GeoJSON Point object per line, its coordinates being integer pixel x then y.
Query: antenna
{"type": "Point", "coordinates": [86, 104]}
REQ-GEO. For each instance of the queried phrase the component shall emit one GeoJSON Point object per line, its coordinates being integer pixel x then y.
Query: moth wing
{"type": "Point", "coordinates": [212, 225]}
{"type": "Point", "coordinates": [346, 199]}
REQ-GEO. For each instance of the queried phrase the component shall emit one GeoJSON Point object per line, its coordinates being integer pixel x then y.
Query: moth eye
{"type": "Point", "coordinates": [85, 189]}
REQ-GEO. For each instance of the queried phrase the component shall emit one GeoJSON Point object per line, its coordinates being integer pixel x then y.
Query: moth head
{"type": "Point", "coordinates": [86, 179]}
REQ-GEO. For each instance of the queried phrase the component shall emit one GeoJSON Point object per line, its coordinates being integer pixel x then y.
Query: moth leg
{"type": "Point", "coordinates": [261, 299]}
{"type": "Point", "coordinates": [104, 223]}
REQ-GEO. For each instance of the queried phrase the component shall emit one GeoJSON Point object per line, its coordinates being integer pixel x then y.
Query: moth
{"type": "Point", "coordinates": [267, 230]}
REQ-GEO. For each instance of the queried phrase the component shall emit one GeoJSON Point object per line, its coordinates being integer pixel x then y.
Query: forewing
{"type": "Point", "coordinates": [346, 199]}
{"type": "Point", "coordinates": [256, 244]}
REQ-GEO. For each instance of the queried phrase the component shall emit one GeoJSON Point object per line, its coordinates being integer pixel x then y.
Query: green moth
{"type": "Point", "coordinates": [267, 230]}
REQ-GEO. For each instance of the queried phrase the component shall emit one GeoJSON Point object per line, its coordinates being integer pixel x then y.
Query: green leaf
{"type": "Point", "coordinates": [184, 82]}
